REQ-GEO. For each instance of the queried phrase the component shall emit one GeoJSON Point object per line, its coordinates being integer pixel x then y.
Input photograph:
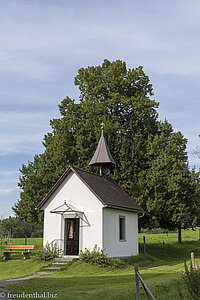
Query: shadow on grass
{"type": "Point", "coordinates": [96, 287]}
{"type": "Point", "coordinates": [89, 287]}
{"type": "Point", "coordinates": [167, 254]}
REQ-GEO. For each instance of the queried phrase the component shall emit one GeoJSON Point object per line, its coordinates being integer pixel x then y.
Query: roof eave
{"type": "Point", "coordinates": [125, 208]}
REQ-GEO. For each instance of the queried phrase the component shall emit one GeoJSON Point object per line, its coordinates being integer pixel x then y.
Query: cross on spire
{"type": "Point", "coordinates": [102, 127]}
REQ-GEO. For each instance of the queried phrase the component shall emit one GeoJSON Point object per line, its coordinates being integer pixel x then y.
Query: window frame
{"type": "Point", "coordinates": [123, 228]}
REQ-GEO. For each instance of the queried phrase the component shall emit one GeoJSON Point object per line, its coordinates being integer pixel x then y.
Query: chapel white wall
{"type": "Point", "coordinates": [111, 243]}
{"type": "Point", "coordinates": [76, 193]}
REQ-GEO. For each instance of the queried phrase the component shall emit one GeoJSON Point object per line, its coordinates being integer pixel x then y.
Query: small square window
{"type": "Point", "coordinates": [122, 231]}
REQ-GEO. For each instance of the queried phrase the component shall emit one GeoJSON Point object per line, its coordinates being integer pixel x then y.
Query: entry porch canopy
{"type": "Point", "coordinates": [68, 210]}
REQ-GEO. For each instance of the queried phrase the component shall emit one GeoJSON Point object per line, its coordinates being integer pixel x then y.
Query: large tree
{"type": "Point", "coordinates": [141, 145]}
{"type": "Point", "coordinates": [169, 190]}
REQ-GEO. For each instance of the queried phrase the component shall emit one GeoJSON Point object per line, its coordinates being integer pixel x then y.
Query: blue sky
{"type": "Point", "coordinates": [44, 43]}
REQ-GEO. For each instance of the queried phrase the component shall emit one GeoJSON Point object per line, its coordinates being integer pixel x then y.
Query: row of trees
{"type": "Point", "coordinates": [15, 228]}
{"type": "Point", "coordinates": [151, 159]}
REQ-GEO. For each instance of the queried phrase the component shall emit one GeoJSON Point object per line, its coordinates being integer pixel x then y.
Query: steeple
{"type": "Point", "coordinates": [102, 156]}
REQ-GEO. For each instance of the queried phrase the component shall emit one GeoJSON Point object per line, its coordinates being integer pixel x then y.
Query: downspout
{"type": "Point", "coordinates": [141, 215]}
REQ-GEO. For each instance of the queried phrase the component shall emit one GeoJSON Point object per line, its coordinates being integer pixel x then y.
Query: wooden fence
{"type": "Point", "coordinates": [145, 287]}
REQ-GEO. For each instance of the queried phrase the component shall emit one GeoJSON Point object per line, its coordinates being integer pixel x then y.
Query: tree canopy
{"type": "Point", "coordinates": [151, 159]}
{"type": "Point", "coordinates": [15, 228]}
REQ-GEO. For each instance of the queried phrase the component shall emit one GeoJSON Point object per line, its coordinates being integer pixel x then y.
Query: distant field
{"type": "Point", "coordinates": [161, 267]}
{"type": "Point", "coordinates": [187, 235]}
{"type": "Point", "coordinates": [170, 250]}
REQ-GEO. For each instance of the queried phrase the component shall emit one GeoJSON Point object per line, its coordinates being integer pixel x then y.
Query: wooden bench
{"type": "Point", "coordinates": [25, 250]}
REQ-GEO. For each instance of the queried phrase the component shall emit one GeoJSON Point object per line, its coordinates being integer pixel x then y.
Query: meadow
{"type": "Point", "coordinates": [161, 267]}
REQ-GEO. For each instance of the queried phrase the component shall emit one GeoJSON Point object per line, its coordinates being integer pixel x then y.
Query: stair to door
{"type": "Point", "coordinates": [61, 261]}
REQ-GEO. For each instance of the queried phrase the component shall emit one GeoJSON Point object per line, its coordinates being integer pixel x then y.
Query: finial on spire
{"type": "Point", "coordinates": [102, 127]}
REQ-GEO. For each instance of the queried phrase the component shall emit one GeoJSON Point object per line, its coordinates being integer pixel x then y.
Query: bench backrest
{"type": "Point", "coordinates": [19, 247]}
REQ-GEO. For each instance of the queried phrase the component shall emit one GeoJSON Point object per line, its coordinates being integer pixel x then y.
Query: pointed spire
{"type": "Point", "coordinates": [102, 156]}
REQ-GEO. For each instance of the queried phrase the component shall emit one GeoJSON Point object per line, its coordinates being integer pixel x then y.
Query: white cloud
{"type": "Point", "coordinates": [36, 38]}
{"type": "Point", "coordinates": [6, 191]}
{"type": "Point", "coordinates": [22, 132]}
{"type": "Point", "coordinates": [9, 173]}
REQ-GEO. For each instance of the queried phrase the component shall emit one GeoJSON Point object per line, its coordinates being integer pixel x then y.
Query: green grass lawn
{"type": "Point", "coordinates": [84, 281]}
{"type": "Point", "coordinates": [161, 267]}
{"type": "Point", "coordinates": [17, 267]}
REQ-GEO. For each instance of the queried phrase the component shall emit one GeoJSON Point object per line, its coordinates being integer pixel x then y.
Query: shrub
{"type": "Point", "coordinates": [117, 262]}
{"type": "Point", "coordinates": [192, 280]}
{"type": "Point", "coordinates": [48, 252]}
{"type": "Point", "coordinates": [96, 256]}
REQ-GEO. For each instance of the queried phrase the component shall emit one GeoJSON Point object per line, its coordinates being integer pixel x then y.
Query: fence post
{"type": "Point", "coordinates": [192, 259]}
{"type": "Point", "coordinates": [137, 281]}
{"type": "Point", "coordinates": [144, 243]}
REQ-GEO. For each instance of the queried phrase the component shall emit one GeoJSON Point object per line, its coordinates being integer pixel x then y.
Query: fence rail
{"type": "Point", "coordinates": [145, 287]}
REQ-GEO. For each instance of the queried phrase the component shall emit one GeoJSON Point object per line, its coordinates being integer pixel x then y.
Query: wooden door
{"type": "Point", "coordinates": [71, 237]}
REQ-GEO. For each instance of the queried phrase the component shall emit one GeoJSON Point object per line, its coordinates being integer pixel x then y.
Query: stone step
{"type": "Point", "coordinates": [61, 261]}
{"type": "Point", "coordinates": [52, 268]}
{"type": "Point", "coordinates": [58, 264]}
{"type": "Point", "coordinates": [64, 259]}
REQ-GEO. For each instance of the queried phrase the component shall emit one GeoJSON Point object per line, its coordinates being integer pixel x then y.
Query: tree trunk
{"type": "Point", "coordinates": [179, 236]}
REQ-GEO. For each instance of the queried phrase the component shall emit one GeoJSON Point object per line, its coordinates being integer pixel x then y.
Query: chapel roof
{"type": "Point", "coordinates": [106, 190]}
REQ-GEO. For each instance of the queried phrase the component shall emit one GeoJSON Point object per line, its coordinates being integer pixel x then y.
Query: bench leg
{"type": "Point", "coordinates": [26, 255]}
{"type": "Point", "coordinates": [6, 255]}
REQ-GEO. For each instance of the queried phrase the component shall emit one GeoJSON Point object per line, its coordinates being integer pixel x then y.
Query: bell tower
{"type": "Point", "coordinates": [102, 156]}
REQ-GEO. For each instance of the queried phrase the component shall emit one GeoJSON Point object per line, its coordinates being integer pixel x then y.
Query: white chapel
{"type": "Point", "coordinates": [84, 209]}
